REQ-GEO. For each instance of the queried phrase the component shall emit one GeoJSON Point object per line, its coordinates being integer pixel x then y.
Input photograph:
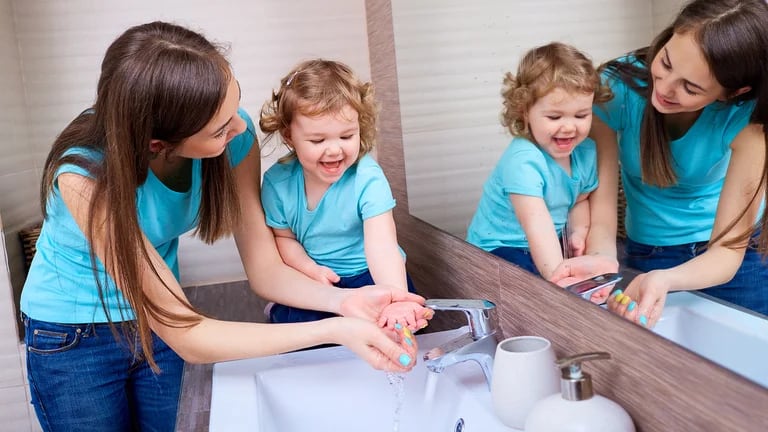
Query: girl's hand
{"type": "Point", "coordinates": [324, 275]}
{"type": "Point", "coordinates": [410, 314]}
{"type": "Point", "coordinates": [577, 242]}
{"type": "Point", "coordinates": [643, 300]}
{"type": "Point", "coordinates": [391, 350]}
{"type": "Point", "coordinates": [577, 269]}
{"type": "Point", "coordinates": [368, 302]}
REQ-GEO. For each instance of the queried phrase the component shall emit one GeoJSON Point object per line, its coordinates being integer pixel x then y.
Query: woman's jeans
{"type": "Point", "coordinates": [286, 314]}
{"type": "Point", "coordinates": [518, 256]}
{"type": "Point", "coordinates": [81, 380]}
{"type": "Point", "coordinates": [748, 288]}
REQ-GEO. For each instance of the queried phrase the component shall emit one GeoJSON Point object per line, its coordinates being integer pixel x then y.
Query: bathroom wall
{"type": "Point", "coordinates": [50, 54]}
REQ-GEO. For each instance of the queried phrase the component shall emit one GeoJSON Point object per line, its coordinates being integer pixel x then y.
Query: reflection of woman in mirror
{"type": "Point", "coordinates": [327, 201]}
{"type": "Point", "coordinates": [549, 168]}
{"type": "Point", "coordinates": [692, 160]}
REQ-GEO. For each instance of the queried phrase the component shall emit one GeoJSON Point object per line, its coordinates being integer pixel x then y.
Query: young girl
{"type": "Point", "coordinates": [328, 201]}
{"type": "Point", "coordinates": [164, 149]}
{"type": "Point", "coordinates": [689, 126]}
{"type": "Point", "coordinates": [549, 169]}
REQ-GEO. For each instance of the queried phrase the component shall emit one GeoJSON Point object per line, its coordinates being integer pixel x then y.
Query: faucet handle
{"type": "Point", "coordinates": [480, 313]}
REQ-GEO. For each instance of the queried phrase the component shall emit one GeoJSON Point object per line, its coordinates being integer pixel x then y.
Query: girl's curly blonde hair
{"type": "Point", "coordinates": [317, 87]}
{"type": "Point", "coordinates": [542, 69]}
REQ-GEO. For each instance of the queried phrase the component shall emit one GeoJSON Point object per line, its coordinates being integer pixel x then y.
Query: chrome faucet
{"type": "Point", "coordinates": [479, 344]}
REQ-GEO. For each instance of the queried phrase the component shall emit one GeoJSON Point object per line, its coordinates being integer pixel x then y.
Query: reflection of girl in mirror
{"type": "Point", "coordinates": [328, 201]}
{"type": "Point", "coordinates": [689, 114]}
{"type": "Point", "coordinates": [549, 169]}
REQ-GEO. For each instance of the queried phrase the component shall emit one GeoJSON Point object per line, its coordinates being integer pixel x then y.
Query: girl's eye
{"type": "Point", "coordinates": [346, 137]}
{"type": "Point", "coordinates": [318, 141]}
{"type": "Point", "coordinates": [582, 116]}
{"type": "Point", "coordinates": [553, 117]}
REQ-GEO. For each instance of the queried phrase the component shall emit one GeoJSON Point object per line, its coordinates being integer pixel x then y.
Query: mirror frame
{"type": "Point", "coordinates": [662, 385]}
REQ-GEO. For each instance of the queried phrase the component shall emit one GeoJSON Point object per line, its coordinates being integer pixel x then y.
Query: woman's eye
{"type": "Point", "coordinates": [689, 91]}
{"type": "Point", "coordinates": [221, 134]}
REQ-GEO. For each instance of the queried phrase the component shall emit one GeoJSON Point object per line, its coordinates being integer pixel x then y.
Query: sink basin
{"type": "Point", "coordinates": [331, 389]}
{"type": "Point", "coordinates": [734, 338]}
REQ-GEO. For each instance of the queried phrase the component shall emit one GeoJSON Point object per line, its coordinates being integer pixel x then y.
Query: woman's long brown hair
{"type": "Point", "coordinates": [733, 38]}
{"type": "Point", "coordinates": [158, 81]}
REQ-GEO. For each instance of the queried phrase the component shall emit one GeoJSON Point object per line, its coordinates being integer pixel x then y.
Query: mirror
{"type": "Point", "coordinates": [451, 56]}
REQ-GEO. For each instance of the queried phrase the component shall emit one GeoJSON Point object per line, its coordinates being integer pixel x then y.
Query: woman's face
{"type": "Point", "coordinates": [226, 124]}
{"type": "Point", "coordinates": [682, 79]}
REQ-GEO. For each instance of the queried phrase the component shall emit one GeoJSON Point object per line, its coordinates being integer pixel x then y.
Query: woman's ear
{"type": "Point", "coordinates": [739, 92]}
{"type": "Point", "coordinates": [156, 146]}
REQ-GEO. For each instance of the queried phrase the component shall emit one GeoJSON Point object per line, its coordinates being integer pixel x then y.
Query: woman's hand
{"type": "Point", "coordinates": [643, 300]}
{"type": "Point", "coordinates": [410, 314]}
{"type": "Point", "coordinates": [368, 302]}
{"type": "Point", "coordinates": [391, 350]}
{"type": "Point", "coordinates": [584, 267]}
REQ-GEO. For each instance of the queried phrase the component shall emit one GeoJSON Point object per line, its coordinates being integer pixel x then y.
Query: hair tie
{"type": "Point", "coordinates": [290, 80]}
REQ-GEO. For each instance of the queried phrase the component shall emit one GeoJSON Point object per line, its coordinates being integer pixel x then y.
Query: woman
{"type": "Point", "coordinates": [164, 149]}
{"type": "Point", "coordinates": [689, 114]}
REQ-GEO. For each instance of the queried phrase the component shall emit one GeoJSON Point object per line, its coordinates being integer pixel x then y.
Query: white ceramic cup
{"type": "Point", "coordinates": [524, 372]}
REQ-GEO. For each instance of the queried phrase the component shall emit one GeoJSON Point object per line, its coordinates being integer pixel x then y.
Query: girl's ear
{"type": "Point", "coordinates": [286, 136]}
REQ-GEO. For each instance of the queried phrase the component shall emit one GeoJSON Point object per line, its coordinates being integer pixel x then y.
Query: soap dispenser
{"type": "Point", "coordinates": [578, 409]}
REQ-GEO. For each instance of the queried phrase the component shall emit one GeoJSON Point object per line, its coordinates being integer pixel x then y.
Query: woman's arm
{"type": "Point", "coordinates": [719, 263]}
{"type": "Point", "coordinates": [213, 340]}
{"type": "Point", "coordinates": [534, 217]}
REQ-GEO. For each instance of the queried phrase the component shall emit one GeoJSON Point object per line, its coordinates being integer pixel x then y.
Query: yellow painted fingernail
{"type": "Point", "coordinates": [407, 332]}
{"type": "Point", "coordinates": [619, 297]}
{"type": "Point", "coordinates": [625, 300]}
{"type": "Point", "coordinates": [425, 325]}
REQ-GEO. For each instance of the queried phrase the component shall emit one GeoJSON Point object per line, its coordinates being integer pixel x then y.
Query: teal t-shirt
{"type": "Point", "coordinates": [332, 233]}
{"type": "Point", "coordinates": [525, 169]}
{"type": "Point", "coordinates": [60, 286]}
{"type": "Point", "coordinates": [685, 212]}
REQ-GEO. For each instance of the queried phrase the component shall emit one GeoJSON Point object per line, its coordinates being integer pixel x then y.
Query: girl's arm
{"type": "Point", "coordinates": [578, 226]}
{"type": "Point", "coordinates": [272, 279]}
{"type": "Point", "coordinates": [385, 262]}
{"type": "Point", "coordinates": [719, 263]}
{"type": "Point", "coordinates": [602, 201]}
{"type": "Point", "coordinates": [600, 255]}
{"type": "Point", "coordinates": [213, 340]}
{"type": "Point", "coordinates": [294, 254]}
{"type": "Point", "coordinates": [534, 217]}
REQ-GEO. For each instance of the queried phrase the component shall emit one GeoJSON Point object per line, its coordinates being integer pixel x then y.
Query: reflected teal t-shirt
{"type": "Point", "coordinates": [525, 169]}
{"type": "Point", "coordinates": [332, 233]}
{"type": "Point", "coordinates": [685, 212]}
{"type": "Point", "coordinates": [60, 286]}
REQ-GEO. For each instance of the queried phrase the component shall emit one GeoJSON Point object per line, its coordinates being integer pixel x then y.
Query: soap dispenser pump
{"type": "Point", "coordinates": [578, 409]}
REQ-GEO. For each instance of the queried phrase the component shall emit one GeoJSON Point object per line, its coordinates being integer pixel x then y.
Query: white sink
{"type": "Point", "coordinates": [733, 338]}
{"type": "Point", "coordinates": [331, 389]}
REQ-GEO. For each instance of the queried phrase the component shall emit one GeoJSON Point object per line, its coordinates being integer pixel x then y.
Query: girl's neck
{"type": "Point", "coordinates": [314, 192]}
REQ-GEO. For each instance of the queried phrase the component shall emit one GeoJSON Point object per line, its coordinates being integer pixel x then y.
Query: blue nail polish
{"type": "Point", "coordinates": [632, 306]}
{"type": "Point", "coordinates": [617, 292]}
{"type": "Point", "coordinates": [409, 341]}
{"type": "Point", "coordinates": [398, 326]}
{"type": "Point", "coordinates": [643, 320]}
{"type": "Point", "coordinates": [405, 359]}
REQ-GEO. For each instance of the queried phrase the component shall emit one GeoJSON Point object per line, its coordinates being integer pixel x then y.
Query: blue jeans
{"type": "Point", "coordinates": [81, 379]}
{"type": "Point", "coordinates": [287, 314]}
{"type": "Point", "coordinates": [748, 288]}
{"type": "Point", "coordinates": [521, 257]}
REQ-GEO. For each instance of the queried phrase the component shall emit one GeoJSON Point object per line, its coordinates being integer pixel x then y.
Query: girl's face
{"type": "Point", "coordinates": [325, 145]}
{"type": "Point", "coordinates": [682, 80]}
{"type": "Point", "coordinates": [226, 124]}
{"type": "Point", "coordinates": [560, 120]}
